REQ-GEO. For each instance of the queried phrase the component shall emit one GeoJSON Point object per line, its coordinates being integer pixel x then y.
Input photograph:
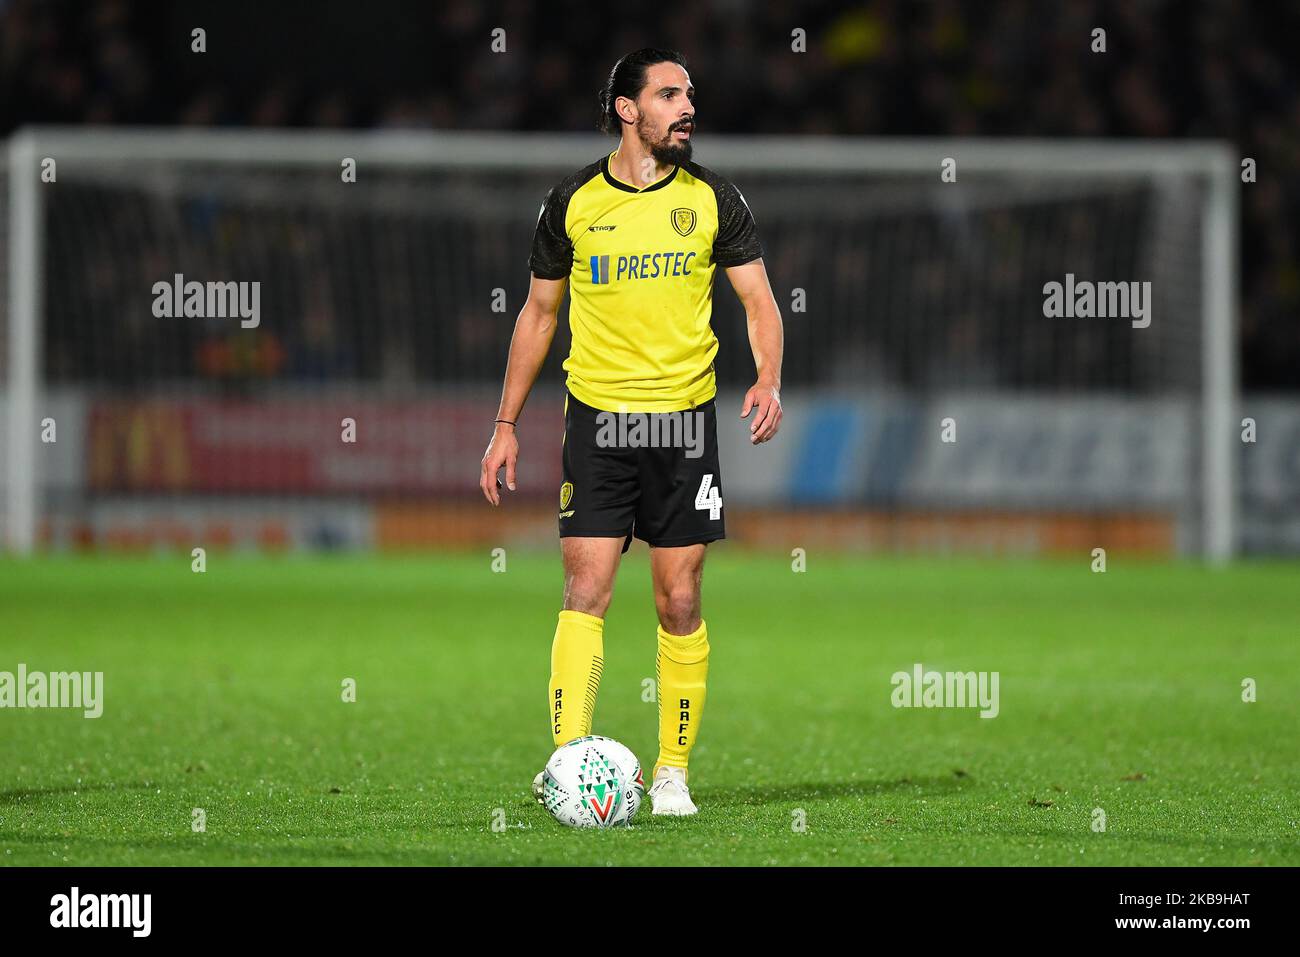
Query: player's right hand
{"type": "Point", "coordinates": [503, 450]}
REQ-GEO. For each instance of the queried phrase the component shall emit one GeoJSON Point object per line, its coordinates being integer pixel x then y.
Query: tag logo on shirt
{"type": "Point", "coordinates": [683, 221]}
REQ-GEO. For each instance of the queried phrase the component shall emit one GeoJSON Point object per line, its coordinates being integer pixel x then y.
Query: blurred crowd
{"type": "Point", "coordinates": [883, 67]}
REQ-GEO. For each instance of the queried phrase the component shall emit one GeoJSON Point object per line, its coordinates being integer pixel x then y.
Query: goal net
{"type": "Point", "coordinates": [258, 339]}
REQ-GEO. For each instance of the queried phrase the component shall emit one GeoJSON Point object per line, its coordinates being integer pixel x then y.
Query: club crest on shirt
{"type": "Point", "coordinates": [566, 494]}
{"type": "Point", "coordinates": [683, 221]}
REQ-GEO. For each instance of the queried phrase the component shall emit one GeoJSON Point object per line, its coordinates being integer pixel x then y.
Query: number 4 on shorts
{"type": "Point", "coordinates": [709, 497]}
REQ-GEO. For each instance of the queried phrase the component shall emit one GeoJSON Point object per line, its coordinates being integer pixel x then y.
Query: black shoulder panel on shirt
{"type": "Point", "coordinates": [737, 241]}
{"type": "Point", "coordinates": [552, 252]}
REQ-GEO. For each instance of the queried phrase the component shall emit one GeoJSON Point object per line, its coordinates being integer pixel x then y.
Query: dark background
{"type": "Point", "coordinates": [1014, 68]}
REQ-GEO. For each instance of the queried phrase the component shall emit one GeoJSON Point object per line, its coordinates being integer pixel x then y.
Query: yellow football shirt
{"type": "Point", "coordinates": [640, 265]}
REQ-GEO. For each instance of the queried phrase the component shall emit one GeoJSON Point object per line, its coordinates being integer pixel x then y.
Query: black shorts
{"type": "Point", "coordinates": [652, 475]}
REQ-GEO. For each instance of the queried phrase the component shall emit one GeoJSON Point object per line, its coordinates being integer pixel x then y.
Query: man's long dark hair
{"type": "Point", "coordinates": [628, 79]}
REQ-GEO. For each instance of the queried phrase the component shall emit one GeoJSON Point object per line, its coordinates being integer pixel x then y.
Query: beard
{"type": "Point", "coordinates": [667, 151]}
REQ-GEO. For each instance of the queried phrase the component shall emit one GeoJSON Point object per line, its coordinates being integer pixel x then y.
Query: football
{"type": "Point", "coordinates": [593, 782]}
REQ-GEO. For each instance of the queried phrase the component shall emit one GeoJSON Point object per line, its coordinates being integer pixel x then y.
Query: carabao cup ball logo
{"type": "Point", "coordinates": [599, 787]}
{"type": "Point", "coordinates": [684, 221]}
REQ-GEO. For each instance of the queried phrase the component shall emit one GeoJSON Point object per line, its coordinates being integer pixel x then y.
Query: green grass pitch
{"type": "Point", "coordinates": [1120, 691]}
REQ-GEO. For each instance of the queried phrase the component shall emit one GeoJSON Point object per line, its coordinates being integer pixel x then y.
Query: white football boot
{"type": "Point", "coordinates": [669, 794]}
{"type": "Point", "coordinates": [539, 789]}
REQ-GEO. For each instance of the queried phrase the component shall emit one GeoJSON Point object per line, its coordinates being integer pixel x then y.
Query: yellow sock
{"type": "Point", "coordinates": [681, 670]}
{"type": "Point", "coordinates": [577, 660]}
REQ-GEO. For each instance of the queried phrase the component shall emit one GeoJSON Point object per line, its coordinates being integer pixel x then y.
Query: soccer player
{"type": "Point", "coordinates": [637, 237]}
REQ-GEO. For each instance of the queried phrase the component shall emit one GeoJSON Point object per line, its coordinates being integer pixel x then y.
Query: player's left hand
{"type": "Point", "coordinates": [766, 401]}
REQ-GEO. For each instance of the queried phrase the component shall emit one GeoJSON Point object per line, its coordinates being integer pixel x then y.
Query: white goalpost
{"type": "Point", "coordinates": [823, 198]}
